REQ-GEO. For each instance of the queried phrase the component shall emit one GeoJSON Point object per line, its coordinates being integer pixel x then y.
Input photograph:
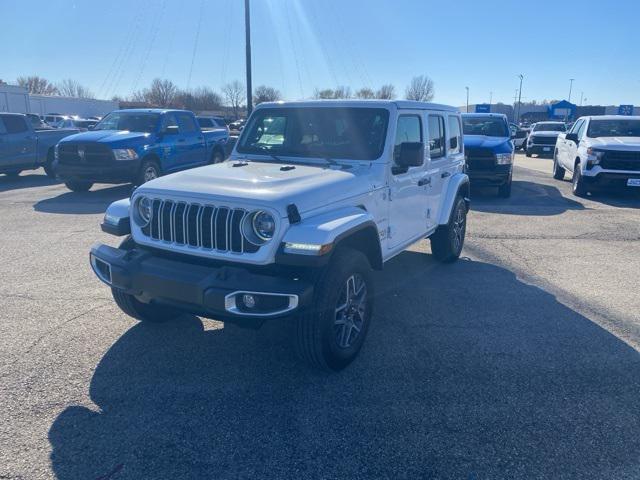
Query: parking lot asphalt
{"type": "Point", "coordinates": [519, 361]}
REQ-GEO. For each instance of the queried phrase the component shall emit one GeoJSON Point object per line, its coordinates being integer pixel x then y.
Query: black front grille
{"type": "Point", "coordinates": [480, 158]}
{"type": "Point", "coordinates": [201, 226]}
{"type": "Point", "coordinates": [543, 140]}
{"type": "Point", "coordinates": [84, 154]}
{"type": "Point", "coordinates": [621, 160]}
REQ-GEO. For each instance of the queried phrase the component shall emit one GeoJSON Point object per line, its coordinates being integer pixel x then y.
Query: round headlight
{"type": "Point", "coordinates": [145, 209]}
{"type": "Point", "coordinates": [264, 225]}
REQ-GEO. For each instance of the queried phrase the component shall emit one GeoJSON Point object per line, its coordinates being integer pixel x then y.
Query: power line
{"type": "Point", "coordinates": [195, 43]}
{"type": "Point", "coordinates": [293, 48]}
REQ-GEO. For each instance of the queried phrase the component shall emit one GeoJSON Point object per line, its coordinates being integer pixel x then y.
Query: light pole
{"type": "Point", "coordinates": [247, 32]}
{"type": "Point", "coordinates": [581, 97]}
{"type": "Point", "coordinates": [570, 88]}
{"type": "Point", "coordinates": [490, 97]}
{"type": "Point", "coordinates": [521, 76]}
{"type": "Point", "coordinates": [467, 99]}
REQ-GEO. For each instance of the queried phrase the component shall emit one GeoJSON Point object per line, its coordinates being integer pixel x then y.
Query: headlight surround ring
{"type": "Point", "coordinates": [259, 227]}
{"type": "Point", "coordinates": [143, 211]}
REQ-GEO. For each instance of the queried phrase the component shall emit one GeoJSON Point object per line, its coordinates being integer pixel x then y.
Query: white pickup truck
{"type": "Point", "coordinates": [314, 196]}
{"type": "Point", "coordinates": [600, 151]}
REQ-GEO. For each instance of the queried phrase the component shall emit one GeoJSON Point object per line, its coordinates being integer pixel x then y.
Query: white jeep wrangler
{"type": "Point", "coordinates": [314, 196]}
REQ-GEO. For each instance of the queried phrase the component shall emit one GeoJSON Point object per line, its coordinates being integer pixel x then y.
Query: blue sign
{"type": "Point", "coordinates": [625, 110]}
{"type": "Point", "coordinates": [483, 108]}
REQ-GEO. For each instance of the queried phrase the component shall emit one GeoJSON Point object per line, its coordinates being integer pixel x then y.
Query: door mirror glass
{"type": "Point", "coordinates": [411, 154]}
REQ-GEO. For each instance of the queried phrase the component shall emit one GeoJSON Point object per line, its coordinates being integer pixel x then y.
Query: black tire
{"type": "Point", "coordinates": [217, 156]}
{"type": "Point", "coordinates": [448, 240]}
{"type": "Point", "coordinates": [48, 166]}
{"type": "Point", "coordinates": [578, 186]}
{"type": "Point", "coordinates": [329, 337]}
{"type": "Point", "coordinates": [504, 191]}
{"type": "Point", "coordinates": [145, 312]}
{"type": "Point", "coordinates": [558, 171]}
{"type": "Point", "coordinates": [149, 170]}
{"type": "Point", "coordinates": [527, 153]}
{"type": "Point", "coordinates": [78, 185]}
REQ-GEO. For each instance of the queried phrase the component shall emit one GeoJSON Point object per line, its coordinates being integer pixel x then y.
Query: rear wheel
{"type": "Point", "coordinates": [578, 186]}
{"type": "Point", "coordinates": [48, 166]}
{"type": "Point", "coordinates": [149, 170]}
{"type": "Point", "coordinates": [78, 185]}
{"type": "Point", "coordinates": [448, 240]}
{"type": "Point", "coordinates": [145, 312]}
{"type": "Point", "coordinates": [330, 334]}
{"type": "Point", "coordinates": [558, 171]}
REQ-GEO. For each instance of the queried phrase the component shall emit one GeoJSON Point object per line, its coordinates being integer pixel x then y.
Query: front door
{"type": "Point", "coordinates": [408, 205]}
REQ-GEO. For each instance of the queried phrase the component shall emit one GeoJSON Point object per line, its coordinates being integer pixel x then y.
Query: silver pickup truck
{"type": "Point", "coordinates": [22, 147]}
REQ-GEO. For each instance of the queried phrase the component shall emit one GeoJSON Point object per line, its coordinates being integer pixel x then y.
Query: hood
{"type": "Point", "coordinates": [274, 185]}
{"type": "Point", "coordinates": [107, 136]}
{"type": "Point", "coordinates": [484, 141]}
{"type": "Point", "coordinates": [617, 143]}
{"type": "Point", "coordinates": [545, 133]}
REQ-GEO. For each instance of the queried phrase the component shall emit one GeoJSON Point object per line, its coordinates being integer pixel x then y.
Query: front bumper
{"type": "Point", "coordinates": [120, 172]}
{"type": "Point", "coordinates": [212, 292]}
{"type": "Point", "coordinates": [541, 149]}
{"type": "Point", "coordinates": [610, 179]}
{"type": "Point", "coordinates": [497, 176]}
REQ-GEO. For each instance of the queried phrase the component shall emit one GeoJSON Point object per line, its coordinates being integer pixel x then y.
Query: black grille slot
{"type": "Point", "coordinates": [84, 154]}
{"type": "Point", "coordinates": [480, 158]}
{"type": "Point", "coordinates": [205, 227]}
{"type": "Point", "coordinates": [179, 222]}
{"type": "Point", "coordinates": [192, 227]}
{"type": "Point", "coordinates": [165, 221]}
{"type": "Point", "coordinates": [543, 140]}
{"type": "Point", "coordinates": [221, 228]}
{"type": "Point", "coordinates": [621, 160]}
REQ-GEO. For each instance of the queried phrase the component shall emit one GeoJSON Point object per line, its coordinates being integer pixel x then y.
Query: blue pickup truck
{"type": "Point", "coordinates": [137, 146]}
{"type": "Point", "coordinates": [488, 150]}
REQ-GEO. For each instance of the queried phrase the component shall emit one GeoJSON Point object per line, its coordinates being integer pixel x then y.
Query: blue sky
{"type": "Point", "coordinates": [119, 46]}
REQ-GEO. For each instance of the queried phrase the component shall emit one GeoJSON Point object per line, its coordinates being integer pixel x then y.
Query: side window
{"type": "Point", "coordinates": [576, 126]}
{"type": "Point", "coordinates": [170, 124]}
{"type": "Point", "coordinates": [409, 130]}
{"type": "Point", "coordinates": [205, 122]}
{"type": "Point", "coordinates": [455, 135]}
{"type": "Point", "coordinates": [581, 128]}
{"type": "Point", "coordinates": [15, 124]}
{"type": "Point", "coordinates": [436, 136]}
{"type": "Point", "coordinates": [186, 122]}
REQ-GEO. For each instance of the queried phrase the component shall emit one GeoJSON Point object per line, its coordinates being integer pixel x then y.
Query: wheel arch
{"type": "Point", "coordinates": [459, 184]}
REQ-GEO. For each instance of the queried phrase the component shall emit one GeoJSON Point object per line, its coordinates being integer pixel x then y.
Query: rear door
{"type": "Point", "coordinates": [19, 142]}
{"type": "Point", "coordinates": [194, 144]}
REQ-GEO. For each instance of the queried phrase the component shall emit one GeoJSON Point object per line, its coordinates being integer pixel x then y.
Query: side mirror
{"type": "Point", "coordinates": [171, 130]}
{"type": "Point", "coordinates": [453, 143]}
{"type": "Point", "coordinates": [411, 154]}
{"type": "Point", "coordinates": [573, 137]}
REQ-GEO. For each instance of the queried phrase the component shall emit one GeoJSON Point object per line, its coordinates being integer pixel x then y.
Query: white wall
{"type": "Point", "coordinates": [83, 107]}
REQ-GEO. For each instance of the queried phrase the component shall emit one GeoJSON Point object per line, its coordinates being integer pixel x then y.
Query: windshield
{"type": "Point", "coordinates": [490, 127]}
{"type": "Point", "coordinates": [84, 123]}
{"type": "Point", "coordinates": [345, 133]}
{"type": "Point", "coordinates": [550, 127]}
{"type": "Point", "coordinates": [129, 121]}
{"type": "Point", "coordinates": [614, 128]}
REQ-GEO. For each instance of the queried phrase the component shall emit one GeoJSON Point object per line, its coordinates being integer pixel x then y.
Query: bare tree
{"type": "Point", "coordinates": [71, 88]}
{"type": "Point", "coordinates": [161, 93]}
{"type": "Point", "coordinates": [266, 94]}
{"type": "Point", "coordinates": [37, 85]}
{"type": "Point", "coordinates": [328, 93]}
{"type": "Point", "coordinates": [420, 89]}
{"type": "Point", "coordinates": [342, 92]}
{"type": "Point", "coordinates": [365, 93]}
{"type": "Point", "coordinates": [234, 94]}
{"type": "Point", "coordinates": [198, 99]}
{"type": "Point", "coordinates": [386, 92]}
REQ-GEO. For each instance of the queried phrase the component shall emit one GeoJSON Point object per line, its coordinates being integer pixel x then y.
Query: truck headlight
{"type": "Point", "coordinates": [594, 157]}
{"type": "Point", "coordinates": [143, 211]}
{"type": "Point", "coordinates": [504, 158]}
{"type": "Point", "coordinates": [125, 154]}
{"type": "Point", "coordinates": [259, 227]}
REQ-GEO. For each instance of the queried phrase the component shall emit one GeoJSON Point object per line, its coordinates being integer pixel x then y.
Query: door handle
{"type": "Point", "coordinates": [445, 174]}
{"type": "Point", "coordinates": [424, 181]}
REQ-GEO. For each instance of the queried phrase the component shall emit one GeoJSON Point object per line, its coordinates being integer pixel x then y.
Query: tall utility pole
{"type": "Point", "coordinates": [570, 88]}
{"type": "Point", "coordinates": [519, 99]}
{"type": "Point", "coordinates": [467, 99]}
{"type": "Point", "coordinates": [247, 31]}
{"type": "Point", "coordinates": [581, 97]}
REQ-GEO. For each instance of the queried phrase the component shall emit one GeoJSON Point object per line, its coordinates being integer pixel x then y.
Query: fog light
{"type": "Point", "coordinates": [249, 300]}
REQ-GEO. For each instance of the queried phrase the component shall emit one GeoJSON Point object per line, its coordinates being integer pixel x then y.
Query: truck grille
{"type": "Point", "coordinates": [543, 140]}
{"type": "Point", "coordinates": [201, 226]}
{"type": "Point", "coordinates": [620, 160]}
{"type": "Point", "coordinates": [84, 154]}
{"type": "Point", "coordinates": [480, 158]}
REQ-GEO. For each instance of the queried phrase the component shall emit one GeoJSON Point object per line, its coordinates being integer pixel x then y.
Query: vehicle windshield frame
{"type": "Point", "coordinates": [351, 151]}
{"type": "Point", "coordinates": [595, 121]}
{"type": "Point", "coordinates": [157, 116]}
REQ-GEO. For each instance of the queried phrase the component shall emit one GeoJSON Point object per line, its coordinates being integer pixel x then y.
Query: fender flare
{"type": "Point", "coordinates": [459, 182]}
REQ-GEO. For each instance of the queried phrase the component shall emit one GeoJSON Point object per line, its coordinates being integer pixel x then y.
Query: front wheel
{"type": "Point", "coordinates": [145, 312]}
{"type": "Point", "coordinates": [330, 334]}
{"type": "Point", "coordinates": [48, 166]}
{"type": "Point", "coordinates": [558, 171]}
{"type": "Point", "coordinates": [448, 240]}
{"type": "Point", "coordinates": [78, 185]}
{"type": "Point", "coordinates": [150, 170]}
{"type": "Point", "coordinates": [578, 186]}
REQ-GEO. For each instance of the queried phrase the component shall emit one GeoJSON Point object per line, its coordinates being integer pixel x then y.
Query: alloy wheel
{"type": "Point", "coordinates": [350, 311]}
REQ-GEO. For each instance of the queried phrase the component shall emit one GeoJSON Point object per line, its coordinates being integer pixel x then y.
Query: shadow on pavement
{"type": "Point", "coordinates": [94, 201]}
{"type": "Point", "coordinates": [467, 373]}
{"type": "Point", "coordinates": [25, 181]}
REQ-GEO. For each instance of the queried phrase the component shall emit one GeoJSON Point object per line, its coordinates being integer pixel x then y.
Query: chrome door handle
{"type": "Point", "coordinates": [445, 174]}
